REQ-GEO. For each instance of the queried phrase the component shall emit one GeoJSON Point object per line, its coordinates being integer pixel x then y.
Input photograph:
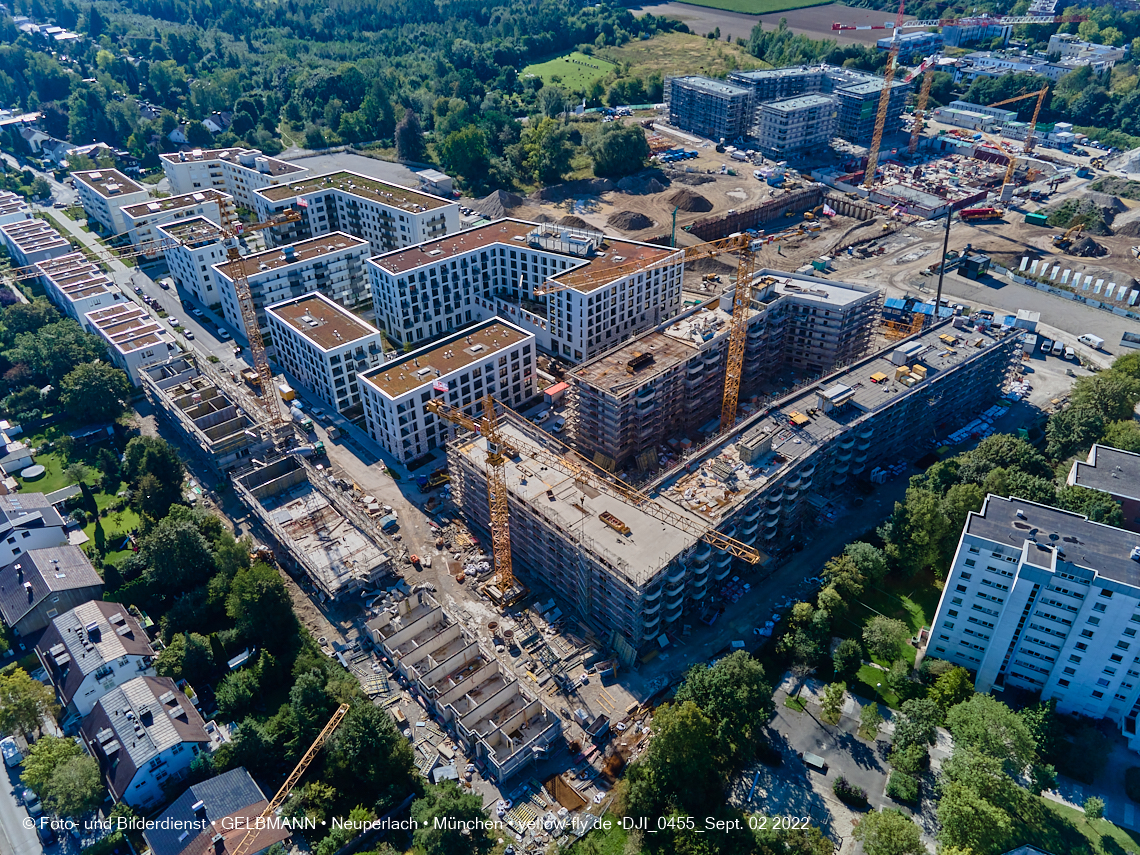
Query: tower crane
{"type": "Point", "coordinates": [979, 21]}
{"type": "Point", "coordinates": [884, 102]}
{"type": "Point", "coordinates": [920, 110]}
{"type": "Point", "coordinates": [292, 780]}
{"type": "Point", "coordinates": [737, 336]}
{"type": "Point", "coordinates": [1040, 93]}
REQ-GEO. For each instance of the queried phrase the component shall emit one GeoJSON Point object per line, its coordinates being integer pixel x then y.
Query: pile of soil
{"type": "Point", "coordinates": [540, 218]}
{"type": "Point", "coordinates": [498, 204]}
{"type": "Point", "coordinates": [649, 181]}
{"type": "Point", "coordinates": [707, 264]}
{"type": "Point", "coordinates": [574, 222]}
{"type": "Point", "coordinates": [1087, 248]}
{"type": "Point", "coordinates": [1131, 228]}
{"type": "Point", "coordinates": [1109, 205]}
{"type": "Point", "coordinates": [694, 179]}
{"type": "Point", "coordinates": [630, 221]}
{"type": "Point", "coordinates": [583, 187]}
{"type": "Point", "coordinates": [689, 201]}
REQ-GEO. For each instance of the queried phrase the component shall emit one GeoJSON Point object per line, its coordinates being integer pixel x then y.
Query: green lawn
{"type": "Point", "coordinates": [758, 7]}
{"type": "Point", "coordinates": [610, 841]}
{"type": "Point", "coordinates": [573, 70]}
{"type": "Point", "coordinates": [1058, 828]}
{"type": "Point", "coordinates": [53, 478]}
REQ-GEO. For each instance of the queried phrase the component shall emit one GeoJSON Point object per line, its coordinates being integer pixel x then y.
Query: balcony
{"type": "Point", "coordinates": [653, 595]}
{"type": "Point", "coordinates": [722, 573]}
{"type": "Point", "coordinates": [653, 609]}
{"type": "Point", "coordinates": [703, 552]}
{"type": "Point", "coordinates": [675, 576]}
{"type": "Point", "coordinates": [751, 514]}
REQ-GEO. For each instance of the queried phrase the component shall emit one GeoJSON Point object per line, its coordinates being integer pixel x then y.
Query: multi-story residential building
{"type": "Point", "coordinates": [31, 241]}
{"type": "Point", "coordinates": [1115, 472]}
{"type": "Point", "coordinates": [104, 193]}
{"type": "Point", "coordinates": [324, 346]}
{"type": "Point", "coordinates": [198, 407]}
{"type": "Point", "coordinates": [777, 84]}
{"type": "Point", "coordinates": [332, 264]}
{"type": "Point", "coordinates": [43, 582]}
{"type": "Point", "coordinates": [1047, 601]}
{"type": "Point", "coordinates": [191, 263]}
{"type": "Point", "coordinates": [238, 172]}
{"type": "Point", "coordinates": [498, 721]}
{"type": "Point", "coordinates": [90, 649]}
{"type": "Point", "coordinates": [145, 734]}
{"type": "Point", "coordinates": [78, 287]}
{"type": "Point", "coordinates": [491, 358]}
{"type": "Point", "coordinates": [13, 208]}
{"type": "Point", "coordinates": [133, 336]}
{"type": "Point", "coordinates": [710, 108]}
{"type": "Point", "coordinates": [996, 64]}
{"type": "Point", "coordinates": [606, 289]}
{"type": "Point", "coordinates": [752, 484]}
{"type": "Point", "coordinates": [143, 220]}
{"type": "Point", "coordinates": [669, 383]}
{"type": "Point", "coordinates": [386, 215]}
{"type": "Point", "coordinates": [795, 126]}
{"type": "Point", "coordinates": [1074, 51]}
{"type": "Point", "coordinates": [915, 44]}
{"type": "Point", "coordinates": [859, 105]}
{"type": "Point", "coordinates": [964, 35]}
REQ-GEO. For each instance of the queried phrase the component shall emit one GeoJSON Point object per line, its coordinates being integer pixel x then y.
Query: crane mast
{"type": "Point", "coordinates": [737, 337]}
{"type": "Point", "coordinates": [920, 110]}
{"type": "Point", "coordinates": [884, 102]}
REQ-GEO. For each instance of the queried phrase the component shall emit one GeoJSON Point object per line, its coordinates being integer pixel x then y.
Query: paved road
{"type": "Point", "coordinates": [15, 839]}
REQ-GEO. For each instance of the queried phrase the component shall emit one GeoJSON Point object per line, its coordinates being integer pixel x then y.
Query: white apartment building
{"type": "Point", "coordinates": [13, 208]}
{"type": "Point", "coordinates": [1048, 601]}
{"type": "Point", "coordinates": [388, 216]}
{"type": "Point", "coordinates": [332, 264]}
{"type": "Point", "coordinates": [605, 293]}
{"type": "Point", "coordinates": [239, 172]}
{"type": "Point", "coordinates": [104, 193]}
{"type": "Point", "coordinates": [143, 220]}
{"type": "Point", "coordinates": [133, 336]}
{"type": "Point", "coordinates": [30, 241]}
{"type": "Point", "coordinates": [492, 358]}
{"type": "Point", "coordinates": [324, 346]}
{"type": "Point", "coordinates": [191, 262]}
{"type": "Point", "coordinates": [796, 126]}
{"type": "Point", "coordinates": [79, 287]}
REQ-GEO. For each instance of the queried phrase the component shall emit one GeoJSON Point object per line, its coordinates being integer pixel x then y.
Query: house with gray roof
{"type": "Point", "coordinates": [28, 521]}
{"type": "Point", "coordinates": [43, 583]}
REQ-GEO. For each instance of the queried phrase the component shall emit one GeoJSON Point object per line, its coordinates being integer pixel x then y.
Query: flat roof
{"type": "Point", "coordinates": [129, 327]}
{"type": "Point", "coordinates": [75, 276]}
{"type": "Point", "coordinates": [393, 195]}
{"type": "Point", "coordinates": [766, 73]}
{"type": "Point", "coordinates": [294, 253]}
{"type": "Point", "coordinates": [1088, 544]}
{"type": "Point", "coordinates": [871, 87]}
{"type": "Point", "coordinates": [234, 155]}
{"type": "Point", "coordinates": [1109, 470]}
{"type": "Point", "coordinates": [800, 102]}
{"type": "Point", "coordinates": [10, 202]}
{"type": "Point", "coordinates": [173, 203]}
{"type": "Point", "coordinates": [196, 230]}
{"type": "Point", "coordinates": [618, 252]}
{"type": "Point", "coordinates": [321, 321]}
{"type": "Point", "coordinates": [611, 371]}
{"type": "Point", "coordinates": [418, 368]}
{"type": "Point", "coordinates": [711, 86]}
{"type": "Point", "coordinates": [108, 182]}
{"type": "Point", "coordinates": [33, 233]}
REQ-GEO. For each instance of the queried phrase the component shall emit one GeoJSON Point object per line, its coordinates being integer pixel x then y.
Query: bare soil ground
{"type": "Point", "coordinates": [814, 21]}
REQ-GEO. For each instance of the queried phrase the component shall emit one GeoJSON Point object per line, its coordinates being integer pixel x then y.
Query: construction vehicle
{"type": "Point", "coordinates": [971, 215]}
{"type": "Point", "coordinates": [254, 826]}
{"type": "Point", "coordinates": [884, 101]}
{"type": "Point", "coordinates": [1097, 163]}
{"type": "Point", "coordinates": [251, 378]}
{"type": "Point", "coordinates": [436, 479]}
{"type": "Point", "coordinates": [980, 21]}
{"type": "Point", "coordinates": [1066, 240]}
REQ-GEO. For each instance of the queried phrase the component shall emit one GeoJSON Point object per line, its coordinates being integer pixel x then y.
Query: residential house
{"type": "Point", "coordinates": [43, 583]}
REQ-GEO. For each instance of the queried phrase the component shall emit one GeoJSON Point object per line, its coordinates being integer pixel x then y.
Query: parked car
{"type": "Point", "coordinates": [32, 803]}
{"type": "Point", "coordinates": [189, 334]}
{"type": "Point", "coordinates": [11, 751]}
{"type": "Point", "coordinates": [47, 833]}
{"type": "Point", "coordinates": [164, 284]}
{"type": "Point", "coordinates": [196, 313]}
{"type": "Point", "coordinates": [224, 334]}
{"type": "Point", "coordinates": [173, 321]}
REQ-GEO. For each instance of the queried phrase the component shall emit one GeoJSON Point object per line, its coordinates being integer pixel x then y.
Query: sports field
{"type": "Point", "coordinates": [573, 70]}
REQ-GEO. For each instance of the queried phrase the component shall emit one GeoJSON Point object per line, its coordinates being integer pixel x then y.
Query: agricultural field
{"type": "Point", "coordinates": [757, 7]}
{"type": "Point", "coordinates": [571, 71]}
{"type": "Point", "coordinates": [682, 53]}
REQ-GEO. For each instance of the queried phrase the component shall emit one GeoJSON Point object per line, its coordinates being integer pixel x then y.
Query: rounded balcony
{"type": "Point", "coordinates": [866, 432]}
{"type": "Point", "coordinates": [650, 624]}
{"type": "Point", "coordinates": [729, 530]}
{"type": "Point", "coordinates": [858, 467]}
{"type": "Point", "coordinates": [675, 576]}
{"type": "Point", "coordinates": [776, 495]}
{"type": "Point", "coordinates": [751, 514]}
{"type": "Point", "coordinates": [847, 441]}
{"type": "Point", "coordinates": [842, 467]}
{"type": "Point", "coordinates": [771, 523]}
{"type": "Point", "coordinates": [653, 595]}
{"type": "Point", "coordinates": [671, 616]}
{"type": "Point", "coordinates": [721, 573]}
{"type": "Point", "coordinates": [808, 470]}
{"type": "Point", "coordinates": [651, 609]}
{"type": "Point", "coordinates": [843, 454]}
{"type": "Point", "coordinates": [747, 532]}
{"type": "Point", "coordinates": [699, 594]}
{"type": "Point", "coordinates": [794, 482]}
{"type": "Point", "coordinates": [703, 552]}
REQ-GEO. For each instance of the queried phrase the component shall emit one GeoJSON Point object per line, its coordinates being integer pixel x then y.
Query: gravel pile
{"type": "Point", "coordinates": [1087, 248]}
{"type": "Point", "coordinates": [498, 204]}
{"type": "Point", "coordinates": [630, 221]}
{"type": "Point", "coordinates": [574, 222]}
{"type": "Point", "coordinates": [689, 201]}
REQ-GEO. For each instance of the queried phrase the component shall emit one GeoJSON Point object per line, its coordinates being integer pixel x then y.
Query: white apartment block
{"type": "Point", "coordinates": [30, 241]}
{"type": "Point", "coordinates": [239, 172]}
{"type": "Point", "coordinates": [133, 336]}
{"type": "Point", "coordinates": [332, 264]}
{"type": "Point", "coordinates": [493, 358]}
{"type": "Point", "coordinates": [795, 126]}
{"type": "Point", "coordinates": [1047, 601]}
{"type": "Point", "coordinates": [608, 296]}
{"type": "Point", "coordinates": [191, 262]}
{"type": "Point", "coordinates": [79, 287]}
{"type": "Point", "coordinates": [143, 220]}
{"type": "Point", "coordinates": [13, 208]}
{"type": "Point", "coordinates": [388, 216]}
{"type": "Point", "coordinates": [104, 193]}
{"type": "Point", "coordinates": [324, 346]}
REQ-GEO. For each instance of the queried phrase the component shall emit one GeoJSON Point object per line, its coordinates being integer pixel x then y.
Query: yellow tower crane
{"type": "Point", "coordinates": [292, 780]}
{"type": "Point", "coordinates": [920, 110]}
{"type": "Point", "coordinates": [1029, 134]}
{"type": "Point", "coordinates": [737, 337]}
{"type": "Point", "coordinates": [884, 101]}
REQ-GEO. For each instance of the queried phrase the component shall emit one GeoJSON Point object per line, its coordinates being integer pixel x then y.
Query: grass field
{"type": "Point", "coordinates": [571, 71]}
{"type": "Point", "coordinates": [682, 53]}
{"type": "Point", "coordinates": [758, 7]}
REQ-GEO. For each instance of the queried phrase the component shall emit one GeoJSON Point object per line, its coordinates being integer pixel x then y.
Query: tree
{"type": "Point", "coordinates": [951, 689]}
{"type": "Point", "coordinates": [884, 637]}
{"type": "Point", "coordinates": [988, 726]}
{"type": "Point", "coordinates": [155, 472]}
{"type": "Point", "coordinates": [1094, 808]}
{"type": "Point", "coordinates": [75, 787]}
{"type": "Point", "coordinates": [1042, 777]}
{"type": "Point", "coordinates": [410, 139]}
{"type": "Point", "coordinates": [735, 694]}
{"type": "Point", "coordinates": [189, 657]}
{"type": "Point", "coordinates": [52, 351]}
{"type": "Point", "coordinates": [1043, 725]}
{"type": "Point", "coordinates": [870, 719]}
{"type": "Point", "coordinates": [198, 134]}
{"type": "Point", "coordinates": [847, 659]}
{"type": "Point", "coordinates": [343, 833]}
{"type": "Point", "coordinates": [465, 153]}
{"type": "Point", "coordinates": [1073, 429]}
{"type": "Point", "coordinates": [368, 750]}
{"type": "Point", "coordinates": [1002, 451]}
{"type": "Point", "coordinates": [177, 555]}
{"type": "Point", "coordinates": [260, 607]}
{"type": "Point", "coordinates": [45, 756]}
{"type": "Point", "coordinates": [551, 101]}
{"type": "Point", "coordinates": [548, 150]}
{"type": "Point", "coordinates": [41, 188]}
{"type": "Point", "coordinates": [95, 392]}
{"type": "Point", "coordinates": [889, 832]}
{"type": "Point", "coordinates": [969, 821]}
{"type": "Point", "coordinates": [831, 708]}
{"type": "Point", "coordinates": [1097, 506]}
{"type": "Point", "coordinates": [27, 317]}
{"type": "Point", "coordinates": [871, 561]}
{"type": "Point", "coordinates": [236, 694]}
{"type": "Point", "coordinates": [24, 703]}
{"type": "Point", "coordinates": [1112, 394]}
{"type": "Point", "coordinates": [461, 810]}
{"type": "Point", "coordinates": [315, 138]}
{"type": "Point", "coordinates": [920, 719]}
{"type": "Point", "coordinates": [617, 150]}
{"type": "Point", "coordinates": [1124, 435]}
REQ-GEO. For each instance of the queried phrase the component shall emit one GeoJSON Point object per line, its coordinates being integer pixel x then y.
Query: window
{"type": "Point", "coordinates": [970, 562]}
{"type": "Point", "coordinates": [1086, 633]}
{"type": "Point", "coordinates": [1082, 646]}
{"type": "Point", "coordinates": [1076, 660]}
{"type": "Point", "coordinates": [1122, 645]}
{"type": "Point", "coordinates": [1064, 683]}
{"type": "Point", "coordinates": [961, 588]}
{"type": "Point", "coordinates": [1101, 681]}
{"type": "Point", "coordinates": [1099, 607]}
{"type": "Point", "coordinates": [1107, 594]}
{"type": "Point", "coordinates": [967, 576]}
{"type": "Point", "coordinates": [1110, 672]}
{"type": "Point", "coordinates": [1094, 621]}
{"type": "Point", "coordinates": [1070, 670]}
{"type": "Point", "coordinates": [1098, 694]}
{"type": "Point", "coordinates": [952, 613]}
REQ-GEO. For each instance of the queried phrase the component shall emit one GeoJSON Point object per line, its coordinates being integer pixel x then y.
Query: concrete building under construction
{"type": "Point", "coordinates": [206, 415]}
{"type": "Point", "coordinates": [496, 720]}
{"type": "Point", "coordinates": [631, 576]}
{"type": "Point", "coordinates": [670, 382]}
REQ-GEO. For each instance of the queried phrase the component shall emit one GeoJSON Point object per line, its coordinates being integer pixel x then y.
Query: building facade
{"type": "Point", "coordinates": [332, 264]}
{"type": "Point", "coordinates": [133, 336]}
{"type": "Point", "coordinates": [1115, 472]}
{"type": "Point", "coordinates": [386, 215]}
{"type": "Point", "coordinates": [238, 172]}
{"type": "Point", "coordinates": [964, 35]}
{"type": "Point", "coordinates": [191, 262]}
{"type": "Point", "coordinates": [13, 208]}
{"type": "Point", "coordinates": [490, 358]}
{"type": "Point", "coordinates": [859, 106]}
{"type": "Point", "coordinates": [104, 193]}
{"type": "Point", "coordinates": [795, 126]}
{"type": "Point", "coordinates": [78, 287]}
{"type": "Point", "coordinates": [916, 44]}
{"type": "Point", "coordinates": [143, 220]}
{"type": "Point", "coordinates": [1046, 601]}
{"type": "Point", "coordinates": [324, 346]}
{"type": "Point", "coordinates": [711, 108]}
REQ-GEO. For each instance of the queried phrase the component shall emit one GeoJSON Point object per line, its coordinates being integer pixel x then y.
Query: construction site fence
{"type": "Point", "coordinates": [1122, 310]}
{"type": "Point", "coordinates": [714, 228]}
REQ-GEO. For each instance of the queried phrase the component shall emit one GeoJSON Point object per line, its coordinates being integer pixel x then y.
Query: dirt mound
{"type": "Point", "coordinates": [1107, 202]}
{"type": "Point", "coordinates": [540, 218]}
{"type": "Point", "coordinates": [1087, 248]}
{"type": "Point", "coordinates": [1128, 229]}
{"type": "Point", "coordinates": [574, 222]}
{"type": "Point", "coordinates": [583, 187]}
{"type": "Point", "coordinates": [498, 204]}
{"type": "Point", "coordinates": [706, 264]}
{"type": "Point", "coordinates": [649, 181]}
{"type": "Point", "coordinates": [694, 179]}
{"type": "Point", "coordinates": [689, 201]}
{"type": "Point", "coordinates": [630, 221]}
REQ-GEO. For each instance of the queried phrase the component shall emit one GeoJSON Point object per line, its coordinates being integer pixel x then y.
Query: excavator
{"type": "Point", "coordinates": [1066, 240]}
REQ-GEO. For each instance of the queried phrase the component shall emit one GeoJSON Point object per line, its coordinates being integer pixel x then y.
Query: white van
{"type": "Point", "coordinates": [1093, 341]}
{"type": "Point", "coordinates": [11, 751]}
{"type": "Point", "coordinates": [1058, 347]}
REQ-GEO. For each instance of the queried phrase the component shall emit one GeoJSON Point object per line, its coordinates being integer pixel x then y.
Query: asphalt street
{"type": "Point", "coordinates": [15, 837]}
